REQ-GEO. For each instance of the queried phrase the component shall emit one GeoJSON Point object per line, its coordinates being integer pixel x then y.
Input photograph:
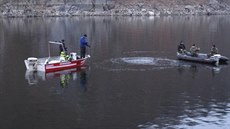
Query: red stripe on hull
{"type": "Point", "coordinates": [64, 65]}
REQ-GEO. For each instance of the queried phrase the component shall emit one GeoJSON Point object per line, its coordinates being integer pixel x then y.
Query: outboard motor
{"type": "Point", "coordinates": [217, 58]}
{"type": "Point", "coordinates": [73, 55]}
{"type": "Point", "coordinates": [31, 63]}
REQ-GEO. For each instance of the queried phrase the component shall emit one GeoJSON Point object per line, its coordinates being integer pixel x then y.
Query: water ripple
{"type": "Point", "coordinates": [137, 64]}
{"type": "Point", "coordinates": [149, 63]}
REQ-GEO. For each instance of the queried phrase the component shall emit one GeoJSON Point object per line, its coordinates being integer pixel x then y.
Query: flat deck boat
{"type": "Point", "coordinates": [55, 63]}
{"type": "Point", "coordinates": [215, 59]}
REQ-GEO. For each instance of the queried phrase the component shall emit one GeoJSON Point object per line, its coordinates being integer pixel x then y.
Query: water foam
{"type": "Point", "coordinates": [137, 64]}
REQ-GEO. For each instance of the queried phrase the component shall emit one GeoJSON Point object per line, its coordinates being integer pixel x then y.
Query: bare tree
{"type": "Point", "coordinates": [65, 1]}
{"type": "Point", "coordinates": [93, 5]}
{"type": "Point", "coordinates": [45, 2]}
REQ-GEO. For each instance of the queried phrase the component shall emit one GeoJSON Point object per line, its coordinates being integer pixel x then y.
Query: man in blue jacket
{"type": "Point", "coordinates": [83, 44]}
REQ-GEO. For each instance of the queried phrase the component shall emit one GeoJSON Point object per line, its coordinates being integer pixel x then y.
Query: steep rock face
{"type": "Point", "coordinates": [16, 8]}
{"type": "Point", "coordinates": [53, 7]}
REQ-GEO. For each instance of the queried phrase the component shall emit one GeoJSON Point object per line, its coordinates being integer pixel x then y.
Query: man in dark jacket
{"type": "Point", "coordinates": [83, 44]}
{"type": "Point", "coordinates": [181, 47]}
{"type": "Point", "coordinates": [62, 47]}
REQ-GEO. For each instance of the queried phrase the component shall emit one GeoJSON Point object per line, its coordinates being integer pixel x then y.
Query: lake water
{"type": "Point", "coordinates": [132, 80]}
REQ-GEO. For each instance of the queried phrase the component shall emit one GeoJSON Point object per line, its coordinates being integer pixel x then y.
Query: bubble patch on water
{"type": "Point", "coordinates": [145, 61]}
{"type": "Point", "coordinates": [138, 61]}
{"type": "Point", "coordinates": [149, 63]}
{"type": "Point", "coordinates": [138, 64]}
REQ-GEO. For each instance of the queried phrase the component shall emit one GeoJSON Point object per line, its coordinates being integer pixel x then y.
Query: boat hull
{"type": "Point", "coordinates": [201, 58]}
{"type": "Point", "coordinates": [53, 67]}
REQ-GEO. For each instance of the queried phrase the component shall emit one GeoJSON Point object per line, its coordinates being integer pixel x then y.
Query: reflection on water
{"type": "Point", "coordinates": [194, 68]}
{"type": "Point", "coordinates": [194, 114]}
{"type": "Point", "coordinates": [64, 76]}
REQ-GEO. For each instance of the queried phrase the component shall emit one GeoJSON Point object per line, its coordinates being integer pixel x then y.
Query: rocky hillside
{"type": "Point", "coordinates": [31, 8]}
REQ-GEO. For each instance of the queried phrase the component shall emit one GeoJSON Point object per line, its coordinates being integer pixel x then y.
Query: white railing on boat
{"type": "Point", "coordinates": [55, 42]}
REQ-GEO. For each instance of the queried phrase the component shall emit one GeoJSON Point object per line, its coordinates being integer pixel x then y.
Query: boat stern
{"type": "Point", "coordinates": [221, 59]}
{"type": "Point", "coordinates": [224, 59]}
{"type": "Point", "coordinates": [31, 63]}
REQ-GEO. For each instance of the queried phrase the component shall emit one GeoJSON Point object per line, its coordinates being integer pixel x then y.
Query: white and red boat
{"type": "Point", "coordinates": [55, 63]}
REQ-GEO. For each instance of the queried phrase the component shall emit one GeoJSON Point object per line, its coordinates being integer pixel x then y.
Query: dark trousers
{"type": "Point", "coordinates": [83, 52]}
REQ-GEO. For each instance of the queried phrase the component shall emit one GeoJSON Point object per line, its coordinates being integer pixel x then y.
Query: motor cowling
{"type": "Point", "coordinates": [73, 55]}
{"type": "Point", "coordinates": [32, 63]}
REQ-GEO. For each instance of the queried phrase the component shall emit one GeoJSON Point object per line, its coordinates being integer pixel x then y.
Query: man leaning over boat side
{"type": "Point", "coordinates": [83, 44]}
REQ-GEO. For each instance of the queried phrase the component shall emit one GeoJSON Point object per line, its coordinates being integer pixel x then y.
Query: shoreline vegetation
{"type": "Point", "coordinates": [43, 8]}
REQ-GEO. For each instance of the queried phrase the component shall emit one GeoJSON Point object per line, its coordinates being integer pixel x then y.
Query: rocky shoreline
{"type": "Point", "coordinates": [110, 9]}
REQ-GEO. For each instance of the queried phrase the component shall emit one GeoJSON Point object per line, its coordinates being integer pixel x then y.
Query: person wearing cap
{"type": "Point", "coordinates": [83, 44]}
{"type": "Point", "coordinates": [181, 47]}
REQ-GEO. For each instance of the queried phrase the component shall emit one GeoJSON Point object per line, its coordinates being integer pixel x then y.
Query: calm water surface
{"type": "Point", "coordinates": [132, 81]}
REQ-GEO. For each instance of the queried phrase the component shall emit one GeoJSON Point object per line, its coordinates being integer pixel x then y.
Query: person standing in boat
{"type": "Point", "coordinates": [194, 49]}
{"type": "Point", "coordinates": [214, 50]}
{"type": "Point", "coordinates": [181, 47]}
{"type": "Point", "coordinates": [83, 44]}
{"type": "Point", "coordinates": [62, 47]}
